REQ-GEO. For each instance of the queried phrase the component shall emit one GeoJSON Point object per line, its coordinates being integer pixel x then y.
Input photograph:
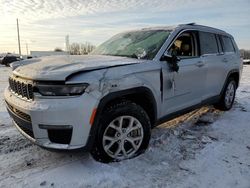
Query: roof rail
{"type": "Point", "coordinates": [192, 23]}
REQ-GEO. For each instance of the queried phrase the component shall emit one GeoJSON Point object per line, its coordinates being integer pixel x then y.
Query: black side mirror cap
{"type": "Point", "coordinates": [166, 57]}
{"type": "Point", "coordinates": [172, 61]}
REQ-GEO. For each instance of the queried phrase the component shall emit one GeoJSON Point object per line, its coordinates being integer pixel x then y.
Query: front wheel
{"type": "Point", "coordinates": [124, 132]}
{"type": "Point", "coordinates": [228, 96]}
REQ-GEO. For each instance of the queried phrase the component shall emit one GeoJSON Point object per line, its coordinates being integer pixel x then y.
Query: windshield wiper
{"type": "Point", "coordinates": [134, 56]}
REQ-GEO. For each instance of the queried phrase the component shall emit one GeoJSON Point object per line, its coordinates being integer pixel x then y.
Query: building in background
{"type": "Point", "coordinates": [46, 53]}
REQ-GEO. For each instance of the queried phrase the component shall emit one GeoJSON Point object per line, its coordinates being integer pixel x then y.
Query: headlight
{"type": "Point", "coordinates": [61, 90]}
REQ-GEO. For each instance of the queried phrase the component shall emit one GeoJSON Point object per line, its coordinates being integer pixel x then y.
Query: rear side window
{"type": "Point", "coordinates": [208, 43]}
{"type": "Point", "coordinates": [227, 44]}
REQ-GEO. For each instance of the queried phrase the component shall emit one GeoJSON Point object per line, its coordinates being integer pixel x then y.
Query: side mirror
{"type": "Point", "coordinates": [172, 61]}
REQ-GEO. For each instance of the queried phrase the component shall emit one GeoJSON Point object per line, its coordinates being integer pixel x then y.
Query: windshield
{"type": "Point", "coordinates": [136, 44]}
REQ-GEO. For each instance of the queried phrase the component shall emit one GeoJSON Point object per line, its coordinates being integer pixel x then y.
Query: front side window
{"type": "Point", "coordinates": [208, 43]}
{"type": "Point", "coordinates": [227, 44]}
{"type": "Point", "coordinates": [142, 44]}
{"type": "Point", "coordinates": [184, 46]}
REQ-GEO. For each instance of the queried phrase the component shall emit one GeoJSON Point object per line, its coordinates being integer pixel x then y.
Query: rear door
{"type": "Point", "coordinates": [219, 61]}
{"type": "Point", "coordinates": [212, 55]}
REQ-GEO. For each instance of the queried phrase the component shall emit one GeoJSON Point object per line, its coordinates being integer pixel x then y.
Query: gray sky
{"type": "Point", "coordinates": [45, 23]}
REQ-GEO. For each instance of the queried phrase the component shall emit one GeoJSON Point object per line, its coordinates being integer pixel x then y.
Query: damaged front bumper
{"type": "Point", "coordinates": [56, 123]}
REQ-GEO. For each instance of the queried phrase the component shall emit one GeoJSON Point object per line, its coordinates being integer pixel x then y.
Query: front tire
{"type": "Point", "coordinates": [123, 133]}
{"type": "Point", "coordinates": [228, 96]}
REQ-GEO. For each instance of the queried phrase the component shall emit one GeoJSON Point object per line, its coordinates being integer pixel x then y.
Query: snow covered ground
{"type": "Point", "coordinates": [205, 148]}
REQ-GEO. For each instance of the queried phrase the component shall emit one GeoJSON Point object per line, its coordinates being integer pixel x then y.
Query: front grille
{"type": "Point", "coordinates": [19, 113]}
{"type": "Point", "coordinates": [21, 88]}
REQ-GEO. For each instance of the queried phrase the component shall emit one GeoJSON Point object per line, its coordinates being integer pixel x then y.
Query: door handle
{"type": "Point", "coordinates": [200, 64]}
{"type": "Point", "coordinates": [224, 60]}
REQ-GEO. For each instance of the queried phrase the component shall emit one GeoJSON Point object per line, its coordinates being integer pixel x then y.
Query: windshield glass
{"type": "Point", "coordinates": [136, 44]}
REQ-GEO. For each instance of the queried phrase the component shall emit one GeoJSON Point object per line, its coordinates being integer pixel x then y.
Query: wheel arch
{"type": "Point", "coordinates": [142, 96]}
{"type": "Point", "coordinates": [236, 75]}
{"type": "Point", "coordinates": [231, 74]}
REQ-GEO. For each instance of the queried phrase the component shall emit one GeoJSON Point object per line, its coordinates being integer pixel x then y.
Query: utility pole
{"type": "Point", "coordinates": [19, 45]}
{"type": "Point", "coordinates": [27, 48]}
{"type": "Point", "coordinates": [67, 43]}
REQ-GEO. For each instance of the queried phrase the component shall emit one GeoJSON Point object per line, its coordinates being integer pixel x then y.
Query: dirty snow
{"type": "Point", "coordinates": [205, 148]}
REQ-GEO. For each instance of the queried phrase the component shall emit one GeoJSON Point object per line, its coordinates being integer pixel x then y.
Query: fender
{"type": "Point", "coordinates": [117, 95]}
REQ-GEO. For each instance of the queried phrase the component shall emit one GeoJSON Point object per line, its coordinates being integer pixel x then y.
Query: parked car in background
{"type": "Point", "coordinates": [8, 59]}
{"type": "Point", "coordinates": [1, 58]}
{"type": "Point", "coordinates": [107, 102]}
{"type": "Point", "coordinates": [246, 61]}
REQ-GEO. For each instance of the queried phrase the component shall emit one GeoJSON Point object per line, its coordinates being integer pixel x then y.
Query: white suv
{"type": "Point", "coordinates": [107, 102]}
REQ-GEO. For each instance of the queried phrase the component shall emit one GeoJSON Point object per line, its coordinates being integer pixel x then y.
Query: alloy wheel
{"type": "Point", "coordinates": [123, 137]}
{"type": "Point", "coordinates": [229, 95]}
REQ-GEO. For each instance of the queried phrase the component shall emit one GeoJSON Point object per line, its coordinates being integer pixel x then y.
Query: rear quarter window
{"type": "Point", "coordinates": [227, 44]}
{"type": "Point", "coordinates": [208, 43]}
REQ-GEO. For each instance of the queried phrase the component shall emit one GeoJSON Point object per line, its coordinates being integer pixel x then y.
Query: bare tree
{"type": "Point", "coordinates": [81, 48]}
{"type": "Point", "coordinates": [74, 49]}
{"type": "Point", "coordinates": [245, 54]}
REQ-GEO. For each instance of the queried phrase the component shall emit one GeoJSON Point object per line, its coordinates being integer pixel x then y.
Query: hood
{"type": "Point", "coordinates": [58, 68]}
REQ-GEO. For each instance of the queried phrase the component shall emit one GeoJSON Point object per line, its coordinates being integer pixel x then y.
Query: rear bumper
{"type": "Point", "coordinates": [53, 123]}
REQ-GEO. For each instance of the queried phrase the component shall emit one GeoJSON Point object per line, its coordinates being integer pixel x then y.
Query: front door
{"type": "Point", "coordinates": [186, 87]}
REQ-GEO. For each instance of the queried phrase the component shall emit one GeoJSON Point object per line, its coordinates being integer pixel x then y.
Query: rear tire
{"type": "Point", "coordinates": [228, 96]}
{"type": "Point", "coordinates": [123, 132]}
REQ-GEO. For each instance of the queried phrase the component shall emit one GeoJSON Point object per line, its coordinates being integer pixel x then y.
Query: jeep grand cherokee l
{"type": "Point", "coordinates": [108, 101]}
